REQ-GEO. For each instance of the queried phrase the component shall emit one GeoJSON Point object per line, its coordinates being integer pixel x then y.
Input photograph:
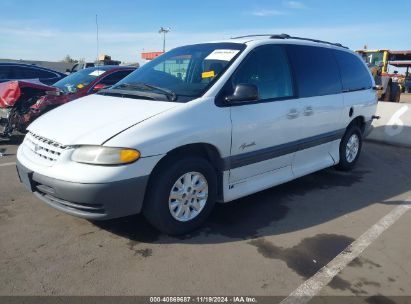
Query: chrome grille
{"type": "Point", "coordinates": [44, 148]}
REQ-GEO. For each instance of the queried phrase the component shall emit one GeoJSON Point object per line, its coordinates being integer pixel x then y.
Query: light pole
{"type": "Point", "coordinates": [164, 31]}
{"type": "Point", "coordinates": [98, 42]}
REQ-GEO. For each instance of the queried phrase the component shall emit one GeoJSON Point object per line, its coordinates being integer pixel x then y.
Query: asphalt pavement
{"type": "Point", "coordinates": [270, 243]}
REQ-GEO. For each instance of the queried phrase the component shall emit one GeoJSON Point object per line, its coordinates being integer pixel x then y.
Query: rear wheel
{"type": "Point", "coordinates": [350, 148]}
{"type": "Point", "coordinates": [397, 94]}
{"type": "Point", "coordinates": [181, 196]}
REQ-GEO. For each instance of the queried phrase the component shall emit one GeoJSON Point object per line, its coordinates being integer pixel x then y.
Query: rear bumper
{"type": "Point", "coordinates": [90, 201]}
{"type": "Point", "coordinates": [368, 128]}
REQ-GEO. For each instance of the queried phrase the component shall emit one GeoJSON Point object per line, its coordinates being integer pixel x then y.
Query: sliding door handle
{"type": "Point", "coordinates": [293, 114]}
{"type": "Point", "coordinates": [308, 111]}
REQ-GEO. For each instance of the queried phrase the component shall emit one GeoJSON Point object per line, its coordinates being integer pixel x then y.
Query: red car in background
{"type": "Point", "coordinates": [23, 101]}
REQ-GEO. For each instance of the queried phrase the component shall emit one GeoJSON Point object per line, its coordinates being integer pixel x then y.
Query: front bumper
{"type": "Point", "coordinates": [91, 201]}
{"type": "Point", "coordinates": [4, 120]}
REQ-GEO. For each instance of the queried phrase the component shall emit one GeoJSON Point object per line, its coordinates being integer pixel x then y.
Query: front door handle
{"type": "Point", "coordinates": [292, 114]}
{"type": "Point", "coordinates": [308, 111]}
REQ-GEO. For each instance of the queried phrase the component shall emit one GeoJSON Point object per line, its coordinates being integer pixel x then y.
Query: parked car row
{"type": "Point", "coordinates": [18, 71]}
{"type": "Point", "coordinates": [22, 101]}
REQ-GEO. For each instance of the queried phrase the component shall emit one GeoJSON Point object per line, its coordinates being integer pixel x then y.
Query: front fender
{"type": "Point", "coordinates": [199, 121]}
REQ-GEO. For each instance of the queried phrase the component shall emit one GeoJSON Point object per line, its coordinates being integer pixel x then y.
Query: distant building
{"type": "Point", "coordinates": [150, 55]}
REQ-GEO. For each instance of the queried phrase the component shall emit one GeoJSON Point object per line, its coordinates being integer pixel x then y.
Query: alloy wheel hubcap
{"type": "Point", "coordinates": [351, 150]}
{"type": "Point", "coordinates": [188, 196]}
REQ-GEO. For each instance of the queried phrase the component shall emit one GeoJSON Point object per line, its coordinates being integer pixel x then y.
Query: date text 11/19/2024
{"type": "Point", "coordinates": [203, 299]}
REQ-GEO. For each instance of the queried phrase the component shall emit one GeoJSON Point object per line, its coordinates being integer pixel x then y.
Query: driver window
{"type": "Point", "coordinates": [267, 68]}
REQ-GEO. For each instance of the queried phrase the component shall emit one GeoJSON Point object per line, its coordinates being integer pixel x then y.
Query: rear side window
{"type": "Point", "coordinates": [267, 68]}
{"type": "Point", "coordinates": [316, 70]}
{"type": "Point", "coordinates": [37, 73]}
{"type": "Point", "coordinates": [354, 74]}
{"type": "Point", "coordinates": [17, 72]}
{"type": "Point", "coordinates": [115, 77]}
{"type": "Point", "coordinates": [5, 72]}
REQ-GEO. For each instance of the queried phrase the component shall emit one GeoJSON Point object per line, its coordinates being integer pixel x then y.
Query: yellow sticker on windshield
{"type": "Point", "coordinates": [207, 74]}
{"type": "Point", "coordinates": [80, 86]}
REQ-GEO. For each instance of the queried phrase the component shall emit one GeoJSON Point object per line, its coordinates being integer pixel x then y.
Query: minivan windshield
{"type": "Point", "coordinates": [181, 74]}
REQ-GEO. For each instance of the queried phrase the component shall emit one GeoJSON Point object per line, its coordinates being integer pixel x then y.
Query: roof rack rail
{"type": "Point", "coordinates": [285, 36]}
{"type": "Point", "coordinates": [256, 35]}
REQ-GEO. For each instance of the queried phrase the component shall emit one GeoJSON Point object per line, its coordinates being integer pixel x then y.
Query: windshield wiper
{"type": "Point", "coordinates": [128, 94]}
{"type": "Point", "coordinates": [171, 96]}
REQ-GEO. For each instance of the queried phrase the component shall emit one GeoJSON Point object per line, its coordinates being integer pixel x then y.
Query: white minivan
{"type": "Point", "coordinates": [201, 124]}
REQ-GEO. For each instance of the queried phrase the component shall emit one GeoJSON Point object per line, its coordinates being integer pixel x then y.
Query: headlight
{"type": "Point", "coordinates": [98, 155]}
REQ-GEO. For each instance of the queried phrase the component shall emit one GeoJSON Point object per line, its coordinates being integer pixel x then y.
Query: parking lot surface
{"type": "Point", "coordinates": [265, 244]}
{"type": "Point", "coordinates": [405, 98]}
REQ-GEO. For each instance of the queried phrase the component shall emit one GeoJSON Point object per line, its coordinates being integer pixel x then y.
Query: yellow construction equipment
{"type": "Point", "coordinates": [389, 85]}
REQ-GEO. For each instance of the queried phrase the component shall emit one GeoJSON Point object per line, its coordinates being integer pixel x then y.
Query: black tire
{"type": "Point", "coordinates": [345, 164]}
{"type": "Point", "coordinates": [387, 95]}
{"type": "Point", "coordinates": [395, 92]}
{"type": "Point", "coordinates": [397, 96]}
{"type": "Point", "coordinates": [156, 208]}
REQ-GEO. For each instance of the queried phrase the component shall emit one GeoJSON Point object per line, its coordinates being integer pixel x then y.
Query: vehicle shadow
{"type": "Point", "coordinates": [394, 134]}
{"type": "Point", "coordinates": [382, 173]}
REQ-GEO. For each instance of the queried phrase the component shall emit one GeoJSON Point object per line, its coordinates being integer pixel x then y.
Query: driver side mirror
{"type": "Point", "coordinates": [243, 93]}
{"type": "Point", "coordinates": [99, 87]}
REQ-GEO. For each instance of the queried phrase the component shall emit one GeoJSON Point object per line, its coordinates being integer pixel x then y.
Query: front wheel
{"type": "Point", "coordinates": [181, 195]}
{"type": "Point", "coordinates": [350, 149]}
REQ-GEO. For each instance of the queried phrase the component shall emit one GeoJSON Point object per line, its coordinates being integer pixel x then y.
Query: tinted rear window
{"type": "Point", "coordinates": [37, 73]}
{"type": "Point", "coordinates": [354, 74]}
{"type": "Point", "coordinates": [316, 70]}
{"type": "Point", "coordinates": [17, 72]}
{"type": "Point", "coordinates": [5, 72]}
{"type": "Point", "coordinates": [115, 77]}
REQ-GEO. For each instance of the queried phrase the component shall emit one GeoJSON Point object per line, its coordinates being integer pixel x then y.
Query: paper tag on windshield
{"type": "Point", "coordinates": [97, 73]}
{"type": "Point", "coordinates": [208, 74]}
{"type": "Point", "coordinates": [224, 55]}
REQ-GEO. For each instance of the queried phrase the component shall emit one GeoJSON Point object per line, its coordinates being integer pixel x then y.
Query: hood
{"type": "Point", "coordinates": [94, 119]}
{"type": "Point", "coordinates": [11, 91]}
